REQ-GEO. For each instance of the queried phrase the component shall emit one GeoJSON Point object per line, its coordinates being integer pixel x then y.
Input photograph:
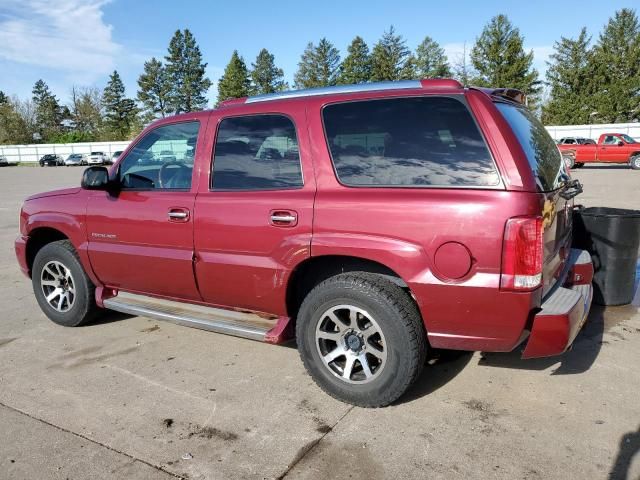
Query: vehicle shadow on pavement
{"type": "Point", "coordinates": [605, 167]}
{"type": "Point", "coordinates": [629, 447]}
{"type": "Point", "coordinates": [442, 367]}
{"type": "Point", "coordinates": [108, 316]}
{"type": "Point", "coordinates": [579, 359]}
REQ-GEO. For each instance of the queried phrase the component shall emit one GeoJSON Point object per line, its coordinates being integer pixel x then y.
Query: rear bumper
{"type": "Point", "coordinates": [564, 311]}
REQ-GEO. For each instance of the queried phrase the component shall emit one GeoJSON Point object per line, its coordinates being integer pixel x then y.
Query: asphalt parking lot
{"type": "Point", "coordinates": [134, 398]}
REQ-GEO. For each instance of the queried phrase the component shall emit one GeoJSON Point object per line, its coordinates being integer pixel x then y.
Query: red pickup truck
{"type": "Point", "coordinates": [370, 222]}
{"type": "Point", "coordinates": [611, 148]}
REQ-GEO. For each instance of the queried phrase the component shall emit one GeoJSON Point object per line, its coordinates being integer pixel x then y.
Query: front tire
{"type": "Point", "coordinates": [361, 338]}
{"type": "Point", "coordinates": [64, 292]}
{"type": "Point", "coordinates": [634, 162]}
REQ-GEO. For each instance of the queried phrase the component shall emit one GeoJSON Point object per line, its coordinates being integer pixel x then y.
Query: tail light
{"type": "Point", "coordinates": [522, 254]}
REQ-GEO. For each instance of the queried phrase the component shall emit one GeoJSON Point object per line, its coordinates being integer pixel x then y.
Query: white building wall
{"type": "Point", "coordinates": [594, 131]}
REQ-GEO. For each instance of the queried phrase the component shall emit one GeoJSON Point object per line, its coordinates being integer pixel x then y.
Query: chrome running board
{"type": "Point", "coordinates": [240, 324]}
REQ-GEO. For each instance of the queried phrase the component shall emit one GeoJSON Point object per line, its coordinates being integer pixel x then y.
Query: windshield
{"type": "Point", "coordinates": [541, 151]}
{"type": "Point", "coordinates": [627, 138]}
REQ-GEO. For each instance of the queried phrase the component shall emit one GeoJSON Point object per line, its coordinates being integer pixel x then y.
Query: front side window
{"type": "Point", "coordinates": [257, 152]}
{"type": "Point", "coordinates": [408, 142]}
{"type": "Point", "coordinates": [162, 159]}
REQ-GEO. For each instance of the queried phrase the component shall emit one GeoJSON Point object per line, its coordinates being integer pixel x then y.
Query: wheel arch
{"type": "Point", "coordinates": [314, 270]}
{"type": "Point", "coordinates": [38, 238]}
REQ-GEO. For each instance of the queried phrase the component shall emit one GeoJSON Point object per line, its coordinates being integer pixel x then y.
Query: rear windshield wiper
{"type": "Point", "coordinates": [571, 189]}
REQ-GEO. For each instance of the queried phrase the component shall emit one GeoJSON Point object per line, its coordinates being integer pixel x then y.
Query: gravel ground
{"type": "Point", "coordinates": [133, 398]}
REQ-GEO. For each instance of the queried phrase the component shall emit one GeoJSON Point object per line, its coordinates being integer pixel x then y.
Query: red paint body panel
{"type": "Point", "coordinates": [230, 253]}
{"type": "Point", "coordinates": [589, 153]}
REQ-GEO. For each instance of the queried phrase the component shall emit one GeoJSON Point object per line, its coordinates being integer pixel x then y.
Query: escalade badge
{"type": "Point", "coordinates": [110, 236]}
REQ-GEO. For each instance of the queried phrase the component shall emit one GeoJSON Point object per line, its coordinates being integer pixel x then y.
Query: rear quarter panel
{"type": "Point", "coordinates": [403, 228]}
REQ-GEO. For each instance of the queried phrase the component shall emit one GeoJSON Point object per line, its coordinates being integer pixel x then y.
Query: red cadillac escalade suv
{"type": "Point", "coordinates": [370, 222]}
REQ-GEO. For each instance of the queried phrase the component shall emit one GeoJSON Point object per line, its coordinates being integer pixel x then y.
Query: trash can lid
{"type": "Point", "coordinates": [609, 212]}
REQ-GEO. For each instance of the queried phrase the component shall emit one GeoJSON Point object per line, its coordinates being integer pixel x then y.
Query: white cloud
{"type": "Point", "coordinates": [66, 35]}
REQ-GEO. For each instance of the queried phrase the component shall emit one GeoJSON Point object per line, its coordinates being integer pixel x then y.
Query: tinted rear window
{"type": "Point", "coordinates": [541, 151]}
{"type": "Point", "coordinates": [408, 142]}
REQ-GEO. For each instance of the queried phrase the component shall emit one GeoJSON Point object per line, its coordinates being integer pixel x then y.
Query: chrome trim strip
{"type": "Point", "coordinates": [311, 92]}
{"type": "Point", "coordinates": [218, 325]}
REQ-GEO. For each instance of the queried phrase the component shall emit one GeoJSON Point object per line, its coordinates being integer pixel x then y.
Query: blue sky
{"type": "Point", "coordinates": [79, 42]}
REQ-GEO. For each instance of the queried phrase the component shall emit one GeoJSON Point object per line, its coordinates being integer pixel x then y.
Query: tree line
{"type": "Point", "coordinates": [586, 81]}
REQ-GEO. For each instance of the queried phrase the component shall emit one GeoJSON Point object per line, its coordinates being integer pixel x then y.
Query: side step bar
{"type": "Point", "coordinates": [230, 322]}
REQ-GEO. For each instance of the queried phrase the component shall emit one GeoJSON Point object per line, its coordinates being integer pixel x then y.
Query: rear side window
{"type": "Point", "coordinates": [541, 151]}
{"type": "Point", "coordinates": [257, 152]}
{"type": "Point", "coordinates": [408, 142]}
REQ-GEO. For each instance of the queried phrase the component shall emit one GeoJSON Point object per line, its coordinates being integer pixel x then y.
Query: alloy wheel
{"type": "Point", "coordinates": [58, 286]}
{"type": "Point", "coordinates": [351, 344]}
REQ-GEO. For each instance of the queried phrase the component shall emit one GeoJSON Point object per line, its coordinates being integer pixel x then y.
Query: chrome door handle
{"type": "Point", "coordinates": [283, 218]}
{"type": "Point", "coordinates": [178, 215]}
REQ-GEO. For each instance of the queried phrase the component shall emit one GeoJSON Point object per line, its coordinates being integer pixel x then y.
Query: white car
{"type": "Point", "coordinates": [97, 158]}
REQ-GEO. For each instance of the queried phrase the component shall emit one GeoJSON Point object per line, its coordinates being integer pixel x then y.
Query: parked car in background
{"type": "Point", "coordinates": [576, 141]}
{"type": "Point", "coordinates": [97, 158]}
{"type": "Point", "coordinates": [611, 148]}
{"type": "Point", "coordinates": [372, 222]}
{"type": "Point", "coordinates": [115, 156]}
{"type": "Point", "coordinates": [75, 159]}
{"type": "Point", "coordinates": [6, 161]}
{"type": "Point", "coordinates": [51, 160]}
{"type": "Point", "coordinates": [166, 156]}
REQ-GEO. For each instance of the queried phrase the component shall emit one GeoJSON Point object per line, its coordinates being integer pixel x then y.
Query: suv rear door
{"type": "Point", "coordinates": [254, 210]}
{"type": "Point", "coordinates": [550, 174]}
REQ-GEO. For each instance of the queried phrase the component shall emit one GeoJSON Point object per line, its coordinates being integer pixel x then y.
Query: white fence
{"type": "Point", "coordinates": [594, 131]}
{"type": "Point", "coordinates": [32, 153]}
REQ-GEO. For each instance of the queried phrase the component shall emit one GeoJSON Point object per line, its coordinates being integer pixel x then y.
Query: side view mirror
{"type": "Point", "coordinates": [620, 143]}
{"type": "Point", "coordinates": [95, 178]}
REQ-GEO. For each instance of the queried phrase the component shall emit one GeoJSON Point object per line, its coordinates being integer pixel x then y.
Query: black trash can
{"type": "Point", "coordinates": [612, 237]}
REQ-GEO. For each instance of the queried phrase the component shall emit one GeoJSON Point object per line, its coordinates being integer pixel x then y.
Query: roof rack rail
{"type": "Point", "coordinates": [361, 87]}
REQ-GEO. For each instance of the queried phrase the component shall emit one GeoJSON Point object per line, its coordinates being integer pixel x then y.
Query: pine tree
{"type": "Point", "coordinates": [47, 111]}
{"type": "Point", "coordinates": [431, 61]}
{"type": "Point", "coordinates": [569, 79]}
{"type": "Point", "coordinates": [319, 66]}
{"type": "Point", "coordinates": [389, 56]}
{"type": "Point", "coordinates": [265, 76]}
{"type": "Point", "coordinates": [356, 67]}
{"type": "Point", "coordinates": [119, 111]}
{"type": "Point", "coordinates": [234, 83]}
{"type": "Point", "coordinates": [185, 72]}
{"type": "Point", "coordinates": [409, 70]}
{"type": "Point", "coordinates": [615, 66]}
{"type": "Point", "coordinates": [3, 98]}
{"type": "Point", "coordinates": [155, 90]}
{"type": "Point", "coordinates": [500, 60]}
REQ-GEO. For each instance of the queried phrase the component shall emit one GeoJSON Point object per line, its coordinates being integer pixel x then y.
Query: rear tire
{"type": "Point", "coordinates": [578, 165]}
{"type": "Point", "coordinates": [64, 292]}
{"type": "Point", "coordinates": [634, 162]}
{"type": "Point", "coordinates": [353, 319]}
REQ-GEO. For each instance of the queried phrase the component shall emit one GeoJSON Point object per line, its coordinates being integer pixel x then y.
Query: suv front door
{"type": "Point", "coordinates": [141, 237]}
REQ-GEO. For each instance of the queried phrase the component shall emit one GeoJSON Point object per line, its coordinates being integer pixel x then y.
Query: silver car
{"type": "Point", "coordinates": [5, 161]}
{"type": "Point", "coordinates": [75, 159]}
